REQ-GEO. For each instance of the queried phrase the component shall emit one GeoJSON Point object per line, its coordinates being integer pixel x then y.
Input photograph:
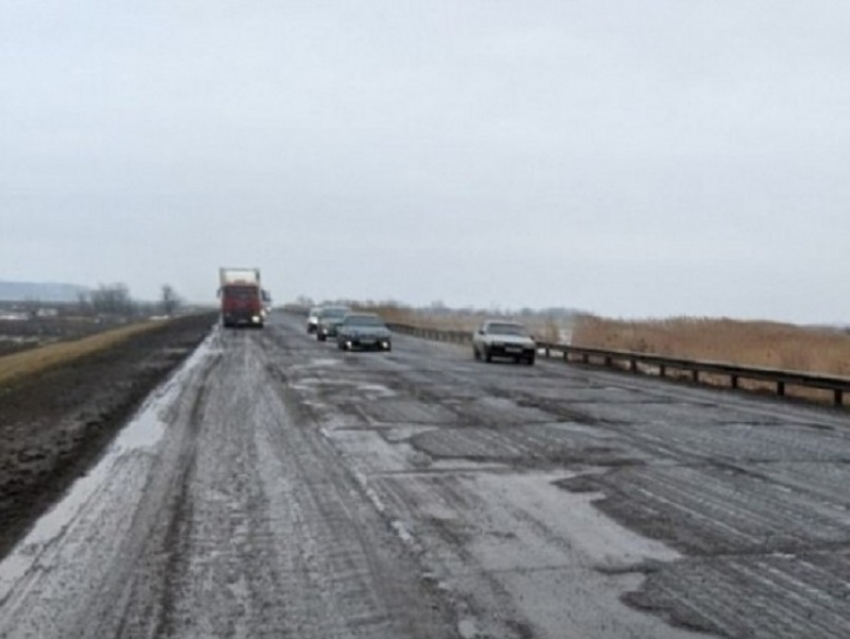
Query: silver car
{"type": "Point", "coordinates": [498, 338]}
{"type": "Point", "coordinates": [330, 317]}
{"type": "Point", "coordinates": [313, 319]}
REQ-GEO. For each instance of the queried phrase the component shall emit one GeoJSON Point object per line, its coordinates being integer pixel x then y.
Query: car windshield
{"type": "Point", "coordinates": [333, 313]}
{"type": "Point", "coordinates": [240, 292]}
{"type": "Point", "coordinates": [507, 329]}
{"type": "Point", "coordinates": [363, 320]}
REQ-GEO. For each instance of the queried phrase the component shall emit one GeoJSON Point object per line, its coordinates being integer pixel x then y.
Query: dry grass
{"type": "Point", "coordinates": [763, 344]}
{"type": "Point", "coordinates": [766, 344]}
{"type": "Point", "coordinates": [40, 359]}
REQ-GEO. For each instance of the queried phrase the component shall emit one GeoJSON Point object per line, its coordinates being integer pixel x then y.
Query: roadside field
{"type": "Point", "coordinates": [747, 343]}
{"type": "Point", "coordinates": [36, 360]}
{"type": "Point", "coordinates": [19, 333]}
{"type": "Point", "coordinates": [766, 344]}
{"type": "Point", "coordinates": [61, 405]}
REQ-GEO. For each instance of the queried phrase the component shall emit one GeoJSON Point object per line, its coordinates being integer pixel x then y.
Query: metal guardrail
{"type": "Point", "coordinates": [639, 362]}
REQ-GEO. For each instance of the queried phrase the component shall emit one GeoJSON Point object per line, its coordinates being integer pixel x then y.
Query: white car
{"type": "Point", "coordinates": [313, 319]}
{"type": "Point", "coordinates": [498, 338]}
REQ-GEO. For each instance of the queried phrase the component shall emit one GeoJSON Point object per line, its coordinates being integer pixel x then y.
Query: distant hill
{"type": "Point", "coordinates": [39, 291]}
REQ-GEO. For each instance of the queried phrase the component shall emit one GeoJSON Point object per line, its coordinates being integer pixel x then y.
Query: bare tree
{"type": "Point", "coordinates": [112, 299]}
{"type": "Point", "coordinates": [170, 300]}
{"type": "Point", "coordinates": [84, 303]}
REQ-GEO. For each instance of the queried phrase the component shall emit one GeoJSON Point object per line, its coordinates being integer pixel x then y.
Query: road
{"type": "Point", "coordinates": [277, 487]}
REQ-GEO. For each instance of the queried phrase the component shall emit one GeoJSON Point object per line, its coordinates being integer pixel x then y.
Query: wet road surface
{"type": "Point", "coordinates": [277, 487]}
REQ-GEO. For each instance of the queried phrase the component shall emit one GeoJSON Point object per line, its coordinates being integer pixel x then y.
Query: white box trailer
{"type": "Point", "coordinates": [244, 276]}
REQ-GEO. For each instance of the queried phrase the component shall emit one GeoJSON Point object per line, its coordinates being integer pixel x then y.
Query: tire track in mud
{"type": "Point", "coordinates": [136, 598]}
{"type": "Point", "coordinates": [68, 578]}
{"type": "Point", "coordinates": [273, 544]}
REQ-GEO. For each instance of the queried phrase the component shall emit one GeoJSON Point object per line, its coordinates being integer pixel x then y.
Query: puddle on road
{"type": "Point", "coordinates": [375, 391]}
{"type": "Point", "coordinates": [143, 432]}
{"type": "Point", "coordinates": [317, 362]}
{"type": "Point", "coordinates": [367, 391]}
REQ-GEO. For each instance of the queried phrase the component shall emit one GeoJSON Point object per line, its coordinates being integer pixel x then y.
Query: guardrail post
{"type": "Point", "coordinates": [838, 397]}
{"type": "Point", "coordinates": [695, 375]}
{"type": "Point", "coordinates": [780, 389]}
{"type": "Point", "coordinates": [633, 364]}
{"type": "Point", "coordinates": [608, 361]}
{"type": "Point", "coordinates": [733, 381]}
{"type": "Point", "coordinates": [585, 358]}
{"type": "Point", "coordinates": [662, 371]}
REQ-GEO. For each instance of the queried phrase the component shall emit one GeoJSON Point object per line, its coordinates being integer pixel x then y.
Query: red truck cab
{"type": "Point", "coordinates": [241, 298]}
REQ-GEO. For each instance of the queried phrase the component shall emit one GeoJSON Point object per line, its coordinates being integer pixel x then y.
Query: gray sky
{"type": "Point", "coordinates": [633, 158]}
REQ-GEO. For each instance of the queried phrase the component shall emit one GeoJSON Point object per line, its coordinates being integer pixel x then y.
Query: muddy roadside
{"type": "Point", "coordinates": [56, 424]}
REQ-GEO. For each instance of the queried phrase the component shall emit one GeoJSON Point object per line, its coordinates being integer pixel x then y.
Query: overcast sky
{"type": "Point", "coordinates": [632, 158]}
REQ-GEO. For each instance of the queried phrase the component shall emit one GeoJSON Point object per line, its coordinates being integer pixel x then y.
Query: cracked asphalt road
{"type": "Point", "coordinates": [277, 487]}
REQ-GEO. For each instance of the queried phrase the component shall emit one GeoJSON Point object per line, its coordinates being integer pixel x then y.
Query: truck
{"type": "Point", "coordinates": [241, 296]}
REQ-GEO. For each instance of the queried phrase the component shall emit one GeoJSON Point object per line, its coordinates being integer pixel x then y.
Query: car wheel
{"type": "Point", "coordinates": [321, 338]}
{"type": "Point", "coordinates": [530, 360]}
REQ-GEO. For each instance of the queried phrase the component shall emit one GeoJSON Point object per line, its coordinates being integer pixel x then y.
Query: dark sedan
{"type": "Point", "coordinates": [362, 331]}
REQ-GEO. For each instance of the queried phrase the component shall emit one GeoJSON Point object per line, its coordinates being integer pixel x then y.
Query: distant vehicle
{"type": "Point", "coordinates": [267, 302]}
{"type": "Point", "coordinates": [313, 319]}
{"type": "Point", "coordinates": [330, 317]}
{"type": "Point", "coordinates": [497, 338]}
{"type": "Point", "coordinates": [241, 297]}
{"type": "Point", "coordinates": [364, 330]}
